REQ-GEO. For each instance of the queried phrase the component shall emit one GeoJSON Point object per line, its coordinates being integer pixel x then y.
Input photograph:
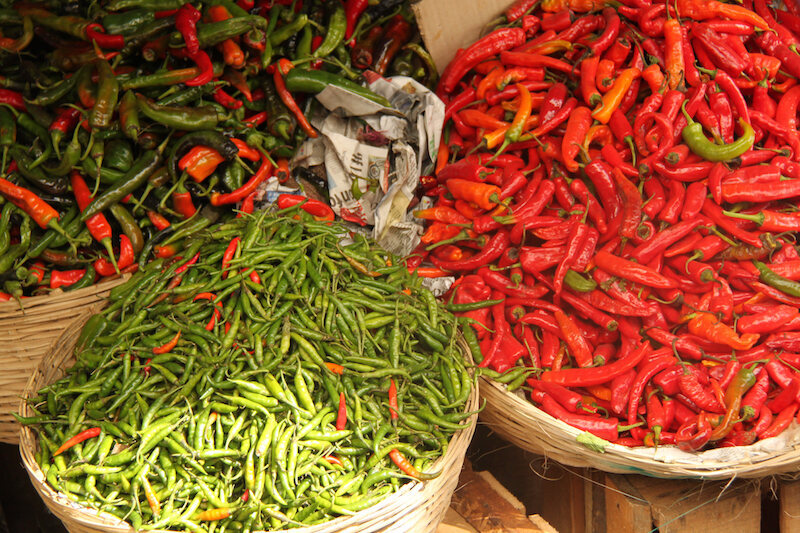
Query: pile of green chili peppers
{"type": "Point", "coordinates": [212, 386]}
{"type": "Point", "coordinates": [117, 91]}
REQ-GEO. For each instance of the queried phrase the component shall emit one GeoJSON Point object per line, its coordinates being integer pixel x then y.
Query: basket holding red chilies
{"type": "Point", "coordinates": [616, 195]}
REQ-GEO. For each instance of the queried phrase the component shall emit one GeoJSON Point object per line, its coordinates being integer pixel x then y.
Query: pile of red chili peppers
{"type": "Point", "coordinates": [617, 195]}
{"type": "Point", "coordinates": [121, 120]}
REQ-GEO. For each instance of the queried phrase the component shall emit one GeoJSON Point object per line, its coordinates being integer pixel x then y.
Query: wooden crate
{"type": "Point", "coordinates": [638, 503]}
{"type": "Point", "coordinates": [482, 504]}
{"type": "Point", "coordinates": [583, 500]}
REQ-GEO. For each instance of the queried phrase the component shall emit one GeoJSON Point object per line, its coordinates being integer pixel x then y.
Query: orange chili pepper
{"type": "Point", "coordinates": [613, 98]}
{"type": "Point", "coordinates": [707, 325]}
{"type": "Point", "coordinates": [577, 343]}
{"type": "Point", "coordinates": [231, 52]}
{"type": "Point", "coordinates": [282, 171]}
{"type": "Point", "coordinates": [673, 53]}
{"type": "Point", "coordinates": [483, 195]}
{"type": "Point", "coordinates": [578, 124]}
{"type": "Point", "coordinates": [654, 78]}
{"type": "Point", "coordinates": [405, 465]}
{"type": "Point", "coordinates": [600, 133]}
{"type": "Point", "coordinates": [200, 162]}
{"type": "Point", "coordinates": [551, 47]}
{"type": "Point", "coordinates": [211, 515]}
{"type": "Point", "coordinates": [442, 156]}
{"type": "Point", "coordinates": [335, 368]}
{"type": "Point", "coordinates": [169, 345]}
{"type": "Point", "coordinates": [488, 81]}
{"type": "Point", "coordinates": [245, 150]}
{"type": "Point", "coordinates": [478, 119]}
{"type": "Point", "coordinates": [150, 494]}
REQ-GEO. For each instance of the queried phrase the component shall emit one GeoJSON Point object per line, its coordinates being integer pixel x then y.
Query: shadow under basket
{"type": "Point", "coordinates": [518, 421]}
{"type": "Point", "coordinates": [27, 334]}
{"type": "Point", "coordinates": [416, 506]}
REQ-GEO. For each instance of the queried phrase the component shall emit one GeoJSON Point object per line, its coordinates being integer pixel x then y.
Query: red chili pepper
{"type": "Point", "coordinates": [393, 400]}
{"type": "Point", "coordinates": [629, 270]}
{"type": "Point", "coordinates": [780, 373]}
{"type": "Point", "coordinates": [583, 377]}
{"type": "Point", "coordinates": [77, 439]}
{"type": "Point", "coordinates": [228, 255]}
{"type": "Point", "coordinates": [127, 256]}
{"type": "Point", "coordinates": [97, 224]}
{"type": "Point", "coordinates": [13, 99]}
{"type": "Point", "coordinates": [184, 267]}
{"type": "Point", "coordinates": [65, 278]}
{"type": "Point", "coordinates": [225, 100]}
{"type": "Point", "coordinates": [169, 345]}
{"type": "Point", "coordinates": [341, 416]}
{"type": "Point", "coordinates": [40, 211]}
{"type": "Point", "coordinates": [578, 346]}
{"type": "Point", "coordinates": [605, 428]}
{"type": "Point", "coordinates": [645, 252]}
{"type": "Point", "coordinates": [319, 210]}
{"type": "Point", "coordinates": [182, 203]}
{"type": "Point", "coordinates": [693, 435]}
{"type": "Point", "coordinates": [567, 398]}
{"type": "Point", "coordinates": [283, 67]}
{"type": "Point", "coordinates": [353, 10]}
{"type": "Point", "coordinates": [186, 20]}
{"type": "Point", "coordinates": [239, 194]}
{"type": "Point", "coordinates": [780, 423]}
{"type": "Point", "coordinates": [65, 121]}
{"type": "Point", "coordinates": [763, 422]}
{"type": "Point", "coordinates": [785, 398]}
{"type": "Point", "coordinates": [715, 213]}
{"type": "Point", "coordinates": [97, 33]}
{"type": "Point", "coordinates": [158, 221]}
{"type": "Point", "coordinates": [484, 48]}
{"type": "Point", "coordinates": [206, 74]}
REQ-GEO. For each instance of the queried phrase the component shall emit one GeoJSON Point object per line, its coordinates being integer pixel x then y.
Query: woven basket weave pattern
{"type": "Point", "coordinates": [519, 422]}
{"type": "Point", "coordinates": [27, 334]}
{"type": "Point", "coordinates": [417, 507]}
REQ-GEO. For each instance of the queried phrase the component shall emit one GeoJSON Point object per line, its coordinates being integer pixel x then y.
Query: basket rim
{"type": "Point", "coordinates": [415, 490]}
{"type": "Point", "coordinates": [622, 459]}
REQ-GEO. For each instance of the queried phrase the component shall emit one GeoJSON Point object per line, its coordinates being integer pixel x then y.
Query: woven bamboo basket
{"type": "Point", "coordinates": [517, 420]}
{"type": "Point", "coordinates": [417, 507]}
{"type": "Point", "coordinates": [27, 334]}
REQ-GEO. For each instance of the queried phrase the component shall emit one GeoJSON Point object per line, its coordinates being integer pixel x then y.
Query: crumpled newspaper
{"type": "Point", "coordinates": [373, 186]}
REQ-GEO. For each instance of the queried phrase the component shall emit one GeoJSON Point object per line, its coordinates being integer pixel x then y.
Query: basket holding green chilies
{"type": "Point", "coordinates": [271, 377]}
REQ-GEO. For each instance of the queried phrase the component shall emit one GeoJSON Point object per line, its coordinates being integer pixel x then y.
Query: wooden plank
{"type": "Point", "coordinates": [447, 25]}
{"type": "Point", "coordinates": [596, 502]}
{"type": "Point", "coordinates": [564, 499]}
{"type": "Point", "coordinates": [486, 509]}
{"type": "Point", "coordinates": [789, 500]}
{"type": "Point", "coordinates": [687, 505]}
{"type": "Point", "coordinates": [625, 507]}
{"type": "Point", "coordinates": [455, 523]}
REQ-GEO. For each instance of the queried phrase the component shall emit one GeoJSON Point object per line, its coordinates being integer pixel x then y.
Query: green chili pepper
{"type": "Point", "coordinates": [314, 81]}
{"type": "Point", "coordinates": [777, 281]}
{"type": "Point", "coordinates": [107, 95]}
{"type": "Point", "coordinates": [135, 177]}
{"type": "Point", "coordinates": [699, 144]}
